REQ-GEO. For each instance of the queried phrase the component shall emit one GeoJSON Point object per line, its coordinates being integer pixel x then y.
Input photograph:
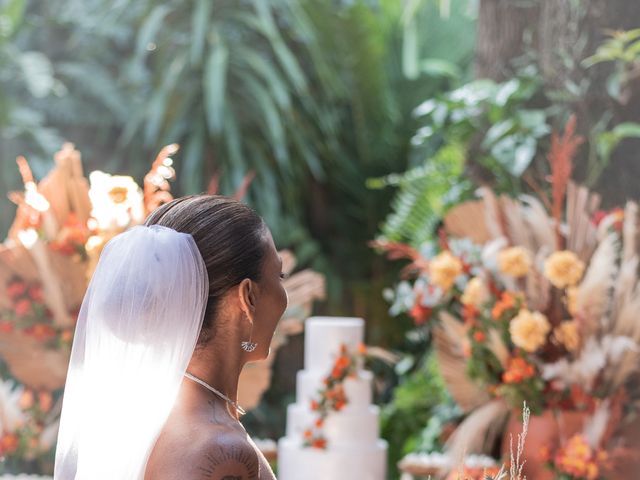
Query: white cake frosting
{"type": "Point", "coordinates": [353, 447]}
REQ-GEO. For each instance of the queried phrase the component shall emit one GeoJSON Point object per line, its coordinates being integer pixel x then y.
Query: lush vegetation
{"type": "Point", "coordinates": [312, 97]}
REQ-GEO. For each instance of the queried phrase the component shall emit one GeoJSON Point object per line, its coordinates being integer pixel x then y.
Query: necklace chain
{"type": "Point", "coordinates": [235, 405]}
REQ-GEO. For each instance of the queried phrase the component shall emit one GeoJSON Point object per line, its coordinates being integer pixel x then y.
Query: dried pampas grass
{"type": "Point", "coordinates": [449, 347]}
{"type": "Point", "coordinates": [479, 432]}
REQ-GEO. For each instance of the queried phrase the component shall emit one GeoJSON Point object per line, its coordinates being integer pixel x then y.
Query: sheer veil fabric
{"type": "Point", "coordinates": [137, 329]}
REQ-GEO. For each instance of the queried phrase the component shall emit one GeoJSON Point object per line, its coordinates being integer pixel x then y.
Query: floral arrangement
{"type": "Point", "coordinates": [331, 396]}
{"type": "Point", "coordinates": [27, 433]}
{"type": "Point", "coordinates": [532, 299]}
{"type": "Point", "coordinates": [61, 225]}
{"type": "Point", "coordinates": [30, 315]}
{"type": "Point", "coordinates": [577, 460]}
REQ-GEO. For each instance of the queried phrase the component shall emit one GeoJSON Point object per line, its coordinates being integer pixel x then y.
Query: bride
{"type": "Point", "coordinates": [173, 312]}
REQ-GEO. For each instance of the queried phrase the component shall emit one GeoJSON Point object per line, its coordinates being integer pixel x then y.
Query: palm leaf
{"type": "Point", "coordinates": [448, 338]}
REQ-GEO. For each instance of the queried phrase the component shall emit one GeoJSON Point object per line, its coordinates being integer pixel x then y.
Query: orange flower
{"type": "Point", "coordinates": [16, 289]}
{"type": "Point", "coordinates": [578, 459]}
{"type": "Point", "coordinates": [343, 361]}
{"type": "Point", "coordinates": [314, 405]}
{"type": "Point", "coordinates": [469, 314]}
{"type": "Point", "coordinates": [419, 312]}
{"type": "Point", "coordinates": [307, 434]}
{"type": "Point", "coordinates": [45, 400]}
{"type": "Point", "coordinates": [22, 308]}
{"type": "Point", "coordinates": [319, 422]}
{"type": "Point", "coordinates": [26, 399]}
{"type": "Point", "coordinates": [518, 370]}
{"type": "Point", "coordinates": [35, 292]}
{"type": "Point", "coordinates": [319, 443]}
{"type": "Point", "coordinates": [6, 327]}
{"type": "Point", "coordinates": [362, 349]}
{"type": "Point", "coordinates": [506, 302]}
{"type": "Point", "coordinates": [472, 473]}
{"type": "Point", "coordinates": [9, 443]}
{"type": "Point", "coordinates": [479, 336]}
{"type": "Point", "coordinates": [41, 331]}
{"type": "Point", "coordinates": [67, 336]}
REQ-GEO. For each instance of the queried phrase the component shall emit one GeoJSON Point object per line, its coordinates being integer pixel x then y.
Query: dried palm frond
{"type": "Point", "coordinates": [596, 426]}
{"type": "Point", "coordinates": [626, 325]}
{"type": "Point", "coordinates": [537, 286]}
{"type": "Point", "coordinates": [448, 341]}
{"type": "Point", "coordinates": [625, 288]}
{"type": "Point", "coordinates": [157, 190]}
{"type": "Point", "coordinates": [467, 221]}
{"type": "Point", "coordinates": [629, 231]}
{"type": "Point", "coordinates": [625, 321]}
{"type": "Point", "coordinates": [593, 297]}
{"type": "Point", "coordinates": [66, 187]}
{"type": "Point", "coordinates": [517, 228]}
{"type": "Point", "coordinates": [492, 216]}
{"type": "Point", "coordinates": [563, 149]}
{"type": "Point", "coordinates": [581, 235]}
{"type": "Point", "coordinates": [479, 432]}
{"type": "Point", "coordinates": [539, 223]}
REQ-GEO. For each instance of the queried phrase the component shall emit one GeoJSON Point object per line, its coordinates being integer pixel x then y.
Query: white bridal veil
{"type": "Point", "coordinates": [136, 332]}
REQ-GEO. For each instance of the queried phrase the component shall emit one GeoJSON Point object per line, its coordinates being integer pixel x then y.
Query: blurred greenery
{"type": "Point", "coordinates": [419, 413]}
{"type": "Point", "coordinates": [314, 97]}
{"type": "Point", "coordinates": [311, 96]}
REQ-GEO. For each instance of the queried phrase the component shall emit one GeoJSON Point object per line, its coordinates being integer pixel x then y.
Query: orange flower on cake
{"type": "Point", "coordinates": [444, 269]}
{"type": "Point", "coordinates": [475, 293]}
{"type": "Point", "coordinates": [529, 330]}
{"type": "Point", "coordinates": [563, 269]}
{"type": "Point", "coordinates": [514, 261]}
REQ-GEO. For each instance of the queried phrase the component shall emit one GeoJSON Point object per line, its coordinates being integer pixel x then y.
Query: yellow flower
{"type": "Point", "coordinates": [444, 269]}
{"type": "Point", "coordinates": [571, 300]}
{"type": "Point", "coordinates": [514, 261]}
{"type": "Point", "coordinates": [475, 293]}
{"type": "Point", "coordinates": [563, 269]}
{"type": "Point", "coordinates": [567, 334]}
{"type": "Point", "coordinates": [529, 330]}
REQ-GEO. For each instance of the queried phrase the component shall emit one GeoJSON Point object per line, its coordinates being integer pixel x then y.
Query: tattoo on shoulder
{"type": "Point", "coordinates": [230, 463]}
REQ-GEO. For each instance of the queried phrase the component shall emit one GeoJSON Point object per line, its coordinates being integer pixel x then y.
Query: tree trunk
{"type": "Point", "coordinates": [502, 30]}
{"type": "Point", "coordinates": [562, 33]}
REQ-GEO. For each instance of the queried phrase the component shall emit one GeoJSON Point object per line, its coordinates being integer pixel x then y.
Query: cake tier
{"type": "Point", "coordinates": [357, 389]}
{"type": "Point", "coordinates": [341, 429]}
{"type": "Point", "coordinates": [323, 337]}
{"type": "Point", "coordinates": [362, 462]}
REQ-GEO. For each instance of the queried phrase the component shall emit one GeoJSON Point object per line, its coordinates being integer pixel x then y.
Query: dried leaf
{"type": "Point", "coordinates": [593, 297]}
{"type": "Point", "coordinates": [479, 431]}
{"type": "Point", "coordinates": [448, 341]}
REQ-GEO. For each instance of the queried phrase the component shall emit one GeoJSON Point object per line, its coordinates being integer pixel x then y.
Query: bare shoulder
{"type": "Point", "coordinates": [215, 453]}
{"type": "Point", "coordinates": [228, 456]}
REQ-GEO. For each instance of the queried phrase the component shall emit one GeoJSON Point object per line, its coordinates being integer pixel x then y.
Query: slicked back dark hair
{"type": "Point", "coordinates": [231, 238]}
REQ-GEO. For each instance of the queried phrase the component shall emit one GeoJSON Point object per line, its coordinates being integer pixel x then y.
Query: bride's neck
{"type": "Point", "coordinates": [219, 366]}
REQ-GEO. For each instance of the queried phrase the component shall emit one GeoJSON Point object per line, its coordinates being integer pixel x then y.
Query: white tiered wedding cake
{"type": "Point", "coordinates": [353, 449]}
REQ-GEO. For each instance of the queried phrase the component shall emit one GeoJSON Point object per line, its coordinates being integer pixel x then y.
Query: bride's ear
{"type": "Point", "coordinates": [247, 297]}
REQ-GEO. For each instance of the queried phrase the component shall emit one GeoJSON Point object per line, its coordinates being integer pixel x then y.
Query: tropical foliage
{"type": "Point", "coordinates": [307, 96]}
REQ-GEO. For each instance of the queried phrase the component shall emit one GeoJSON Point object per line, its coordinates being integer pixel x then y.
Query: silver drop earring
{"type": "Point", "coordinates": [248, 346]}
